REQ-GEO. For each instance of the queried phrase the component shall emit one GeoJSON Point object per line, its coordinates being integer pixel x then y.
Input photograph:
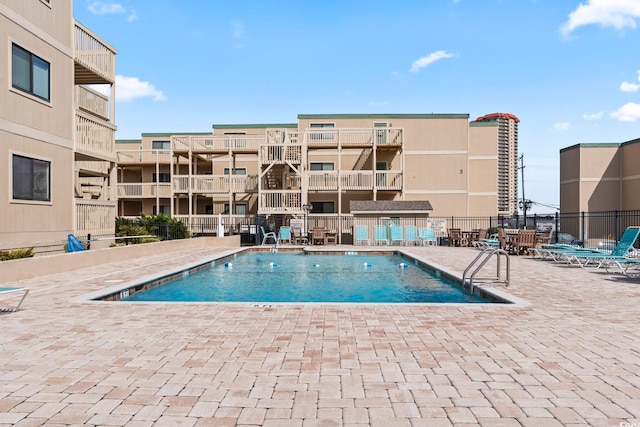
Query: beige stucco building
{"type": "Point", "coordinates": [323, 161]}
{"type": "Point", "coordinates": [57, 136]}
{"type": "Point", "coordinates": [600, 177]}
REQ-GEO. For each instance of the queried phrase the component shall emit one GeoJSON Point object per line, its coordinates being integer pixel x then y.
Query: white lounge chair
{"type": "Point", "coordinates": [4, 291]}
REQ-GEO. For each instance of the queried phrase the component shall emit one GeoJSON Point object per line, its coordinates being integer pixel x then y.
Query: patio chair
{"type": "Point", "coordinates": [396, 234]}
{"type": "Point", "coordinates": [298, 237]}
{"type": "Point", "coordinates": [285, 234]}
{"type": "Point", "coordinates": [427, 237]}
{"type": "Point", "coordinates": [317, 236]}
{"type": "Point", "coordinates": [380, 234]}
{"type": "Point", "coordinates": [361, 235]}
{"type": "Point", "coordinates": [410, 235]}
{"type": "Point", "coordinates": [455, 237]}
{"type": "Point", "coordinates": [269, 235]}
{"type": "Point", "coordinates": [525, 240]}
{"type": "Point", "coordinates": [4, 291]}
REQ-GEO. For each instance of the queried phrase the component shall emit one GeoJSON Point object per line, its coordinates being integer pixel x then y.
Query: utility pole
{"type": "Point", "coordinates": [524, 203]}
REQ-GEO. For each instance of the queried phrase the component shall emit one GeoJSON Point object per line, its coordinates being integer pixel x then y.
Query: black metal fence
{"type": "Point", "coordinates": [590, 228]}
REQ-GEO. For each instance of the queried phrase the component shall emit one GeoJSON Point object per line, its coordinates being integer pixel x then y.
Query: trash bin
{"type": "Point", "coordinates": [443, 241]}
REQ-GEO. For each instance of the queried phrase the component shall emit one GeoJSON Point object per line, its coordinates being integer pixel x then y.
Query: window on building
{"type": "Point", "coordinates": [164, 209]}
{"type": "Point", "coordinates": [31, 179]}
{"type": "Point", "coordinates": [30, 73]}
{"type": "Point", "coordinates": [239, 208]}
{"type": "Point", "coordinates": [321, 136]}
{"type": "Point", "coordinates": [236, 171]}
{"type": "Point", "coordinates": [161, 177]}
{"type": "Point", "coordinates": [322, 207]}
{"type": "Point", "coordinates": [321, 166]}
{"type": "Point", "coordinates": [161, 145]}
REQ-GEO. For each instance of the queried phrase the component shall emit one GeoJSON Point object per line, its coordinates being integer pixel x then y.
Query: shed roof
{"type": "Point", "coordinates": [390, 206]}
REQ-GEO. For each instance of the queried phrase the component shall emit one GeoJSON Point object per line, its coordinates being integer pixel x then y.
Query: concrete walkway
{"type": "Point", "coordinates": [570, 358]}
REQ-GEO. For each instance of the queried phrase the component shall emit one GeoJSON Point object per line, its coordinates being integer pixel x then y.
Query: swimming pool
{"type": "Point", "coordinates": [300, 277]}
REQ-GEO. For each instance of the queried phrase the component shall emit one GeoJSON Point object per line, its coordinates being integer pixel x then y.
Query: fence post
{"type": "Point", "coordinates": [535, 221]}
{"type": "Point", "coordinates": [556, 227]}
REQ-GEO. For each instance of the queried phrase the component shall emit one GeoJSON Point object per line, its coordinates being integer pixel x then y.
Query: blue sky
{"type": "Point", "coordinates": [569, 69]}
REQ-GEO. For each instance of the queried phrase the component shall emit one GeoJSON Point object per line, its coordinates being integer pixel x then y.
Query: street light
{"type": "Point", "coordinates": [307, 208]}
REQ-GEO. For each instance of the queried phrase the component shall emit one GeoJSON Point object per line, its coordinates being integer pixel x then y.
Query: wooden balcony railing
{"type": "Point", "coordinates": [282, 136]}
{"type": "Point", "coordinates": [95, 217]}
{"type": "Point", "coordinates": [95, 59]}
{"type": "Point", "coordinates": [389, 180]}
{"type": "Point", "coordinates": [93, 138]}
{"type": "Point", "coordinates": [280, 201]}
{"type": "Point", "coordinates": [94, 167]}
{"type": "Point", "coordinates": [93, 102]}
{"type": "Point", "coordinates": [380, 137]}
{"type": "Point", "coordinates": [144, 190]}
{"type": "Point", "coordinates": [144, 156]}
{"type": "Point", "coordinates": [216, 144]}
{"type": "Point", "coordinates": [215, 184]}
{"type": "Point", "coordinates": [281, 154]}
{"type": "Point", "coordinates": [356, 180]}
{"type": "Point", "coordinates": [325, 181]}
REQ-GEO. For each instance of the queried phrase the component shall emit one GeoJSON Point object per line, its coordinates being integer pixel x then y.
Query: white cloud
{"type": "Point", "coordinates": [430, 59]}
{"type": "Point", "coordinates": [629, 87]}
{"type": "Point", "coordinates": [101, 8]}
{"type": "Point", "coordinates": [594, 116]}
{"type": "Point", "coordinates": [562, 126]}
{"type": "Point", "coordinates": [238, 29]}
{"type": "Point", "coordinates": [618, 14]}
{"type": "Point", "coordinates": [130, 88]}
{"type": "Point", "coordinates": [629, 112]}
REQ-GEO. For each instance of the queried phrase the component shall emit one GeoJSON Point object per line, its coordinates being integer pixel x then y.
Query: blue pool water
{"type": "Point", "coordinates": [297, 277]}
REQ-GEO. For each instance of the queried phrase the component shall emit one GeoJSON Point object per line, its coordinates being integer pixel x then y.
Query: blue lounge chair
{"type": "Point", "coordinates": [619, 252]}
{"type": "Point", "coordinates": [427, 236]}
{"type": "Point", "coordinates": [361, 235]}
{"type": "Point", "coordinates": [410, 235]}
{"type": "Point", "coordinates": [380, 234]}
{"type": "Point", "coordinates": [269, 235]}
{"type": "Point", "coordinates": [24, 291]}
{"type": "Point", "coordinates": [285, 234]}
{"type": "Point", "coordinates": [396, 234]}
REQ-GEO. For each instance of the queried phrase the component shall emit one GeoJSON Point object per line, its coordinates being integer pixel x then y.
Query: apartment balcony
{"type": "Point", "coordinates": [280, 202]}
{"type": "Point", "coordinates": [216, 144]}
{"type": "Point", "coordinates": [215, 184]}
{"type": "Point", "coordinates": [144, 190]}
{"type": "Point", "coordinates": [354, 181]}
{"type": "Point", "coordinates": [389, 180]}
{"type": "Point", "coordinates": [93, 168]}
{"type": "Point", "coordinates": [135, 157]}
{"type": "Point", "coordinates": [282, 136]}
{"type": "Point", "coordinates": [281, 154]}
{"type": "Point", "coordinates": [94, 138]}
{"type": "Point", "coordinates": [209, 223]}
{"type": "Point", "coordinates": [95, 217]}
{"type": "Point", "coordinates": [90, 101]}
{"type": "Point", "coordinates": [389, 138]}
{"type": "Point", "coordinates": [95, 60]}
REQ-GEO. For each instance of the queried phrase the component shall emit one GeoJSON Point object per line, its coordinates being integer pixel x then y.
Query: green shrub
{"type": "Point", "coordinates": [16, 254]}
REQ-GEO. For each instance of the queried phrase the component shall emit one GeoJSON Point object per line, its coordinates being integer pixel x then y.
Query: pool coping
{"type": "Point", "coordinates": [110, 294]}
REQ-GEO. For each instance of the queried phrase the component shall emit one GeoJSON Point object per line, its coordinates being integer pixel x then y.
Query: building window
{"type": "Point", "coordinates": [31, 179]}
{"type": "Point", "coordinates": [239, 208]}
{"type": "Point", "coordinates": [381, 134]}
{"type": "Point", "coordinates": [164, 209]}
{"type": "Point", "coordinates": [322, 207]}
{"type": "Point", "coordinates": [29, 73]}
{"type": "Point", "coordinates": [164, 177]}
{"type": "Point", "coordinates": [236, 171]}
{"type": "Point", "coordinates": [321, 166]}
{"type": "Point", "coordinates": [161, 145]}
{"type": "Point", "coordinates": [315, 135]}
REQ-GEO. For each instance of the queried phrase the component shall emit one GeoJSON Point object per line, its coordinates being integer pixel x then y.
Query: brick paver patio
{"type": "Point", "coordinates": [570, 358]}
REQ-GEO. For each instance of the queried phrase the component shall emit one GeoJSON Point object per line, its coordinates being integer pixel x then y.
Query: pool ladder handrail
{"type": "Point", "coordinates": [485, 255]}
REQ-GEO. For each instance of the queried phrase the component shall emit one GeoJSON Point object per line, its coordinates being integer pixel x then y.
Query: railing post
{"type": "Point", "coordinates": [582, 224]}
{"type": "Point", "coordinates": [557, 220]}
